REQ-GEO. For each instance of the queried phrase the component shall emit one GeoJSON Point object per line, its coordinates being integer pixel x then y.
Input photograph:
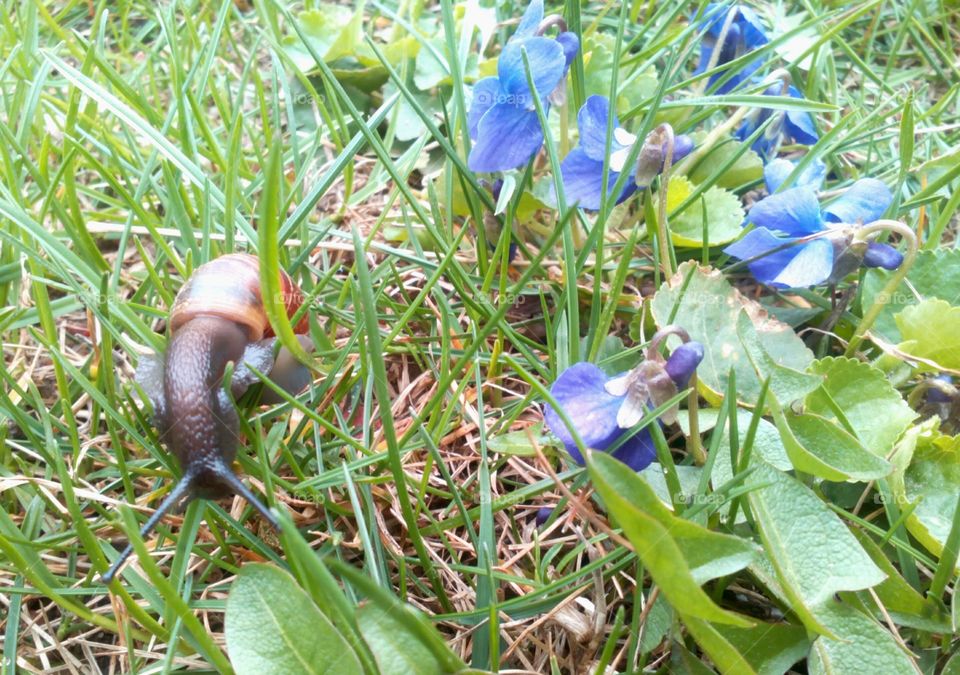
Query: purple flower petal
{"type": "Point", "coordinates": [814, 175]}
{"type": "Point", "coordinates": [485, 94]}
{"type": "Point", "coordinates": [754, 34]}
{"type": "Point", "coordinates": [731, 44]}
{"type": "Point", "coordinates": [592, 122]}
{"type": "Point", "coordinates": [706, 49]}
{"type": "Point", "coordinates": [580, 392]}
{"type": "Point", "coordinates": [530, 21]}
{"type": "Point", "coordinates": [882, 255]}
{"type": "Point", "coordinates": [744, 34]}
{"type": "Point", "coordinates": [777, 171]}
{"type": "Point", "coordinates": [683, 362]}
{"type": "Point", "coordinates": [811, 266]}
{"type": "Point", "coordinates": [714, 17]}
{"type": "Point", "coordinates": [747, 23]}
{"type": "Point", "coordinates": [865, 201]}
{"type": "Point", "coordinates": [682, 146]}
{"type": "Point", "coordinates": [583, 180]}
{"type": "Point", "coordinates": [752, 122]}
{"type": "Point", "coordinates": [507, 137]}
{"type": "Point", "coordinates": [794, 124]}
{"type": "Point", "coordinates": [799, 123]}
{"type": "Point", "coordinates": [769, 141]}
{"type": "Point", "coordinates": [760, 242]}
{"type": "Point", "coordinates": [571, 45]}
{"type": "Point", "coordinates": [795, 212]}
{"type": "Point", "coordinates": [638, 451]}
{"type": "Point", "coordinates": [593, 412]}
{"type": "Point", "coordinates": [547, 64]}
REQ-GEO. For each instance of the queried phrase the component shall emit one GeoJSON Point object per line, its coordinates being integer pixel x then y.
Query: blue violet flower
{"type": "Point", "coordinates": [502, 120]}
{"type": "Point", "coordinates": [744, 34]}
{"type": "Point", "coordinates": [789, 125]}
{"type": "Point", "coordinates": [822, 244]}
{"type": "Point", "coordinates": [582, 169]}
{"type": "Point", "coordinates": [604, 409]}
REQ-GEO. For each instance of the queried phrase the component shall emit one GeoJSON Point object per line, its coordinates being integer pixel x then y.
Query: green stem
{"type": "Point", "coordinates": [663, 230]}
{"type": "Point", "coordinates": [694, 445]}
{"type": "Point", "coordinates": [866, 323]}
{"type": "Point", "coordinates": [715, 135]}
{"type": "Point", "coordinates": [718, 47]}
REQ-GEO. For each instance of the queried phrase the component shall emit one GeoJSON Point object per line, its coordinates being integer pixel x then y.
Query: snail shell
{"type": "Point", "coordinates": [229, 287]}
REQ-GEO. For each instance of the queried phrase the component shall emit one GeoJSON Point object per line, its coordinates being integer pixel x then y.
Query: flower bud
{"type": "Point", "coordinates": [682, 146]}
{"type": "Point", "coordinates": [653, 154]}
{"type": "Point", "coordinates": [881, 255]}
{"type": "Point", "coordinates": [683, 362]}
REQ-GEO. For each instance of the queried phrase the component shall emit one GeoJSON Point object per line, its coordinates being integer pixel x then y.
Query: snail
{"type": "Point", "coordinates": [217, 318]}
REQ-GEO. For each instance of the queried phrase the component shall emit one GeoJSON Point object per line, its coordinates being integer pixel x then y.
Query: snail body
{"type": "Point", "coordinates": [217, 318]}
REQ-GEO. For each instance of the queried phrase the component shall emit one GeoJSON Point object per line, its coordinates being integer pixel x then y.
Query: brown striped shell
{"type": "Point", "coordinates": [229, 287]}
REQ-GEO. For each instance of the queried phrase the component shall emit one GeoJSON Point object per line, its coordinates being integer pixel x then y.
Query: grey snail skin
{"type": "Point", "coordinates": [217, 318]}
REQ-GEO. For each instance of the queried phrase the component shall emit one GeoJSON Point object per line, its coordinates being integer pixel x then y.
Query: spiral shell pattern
{"type": "Point", "coordinates": [229, 287]}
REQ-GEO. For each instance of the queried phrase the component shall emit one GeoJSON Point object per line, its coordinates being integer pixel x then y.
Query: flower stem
{"type": "Point", "coordinates": [653, 350]}
{"type": "Point", "coordinates": [785, 78]}
{"type": "Point", "coordinates": [718, 46]}
{"type": "Point", "coordinates": [551, 21]}
{"type": "Point", "coordinates": [665, 131]}
{"type": "Point", "coordinates": [694, 445]}
{"type": "Point", "coordinates": [684, 166]}
{"type": "Point", "coordinates": [866, 323]}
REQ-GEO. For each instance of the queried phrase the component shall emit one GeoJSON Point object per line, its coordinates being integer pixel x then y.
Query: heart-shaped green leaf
{"type": "Point", "coordinates": [332, 31]}
{"type": "Point", "coordinates": [272, 626]}
{"type": "Point", "coordinates": [931, 331]}
{"type": "Point", "coordinates": [812, 552]}
{"type": "Point", "coordinates": [868, 402]}
{"type": "Point", "coordinates": [396, 649]}
{"type": "Point", "coordinates": [935, 274]}
{"type": "Point", "coordinates": [679, 554]}
{"type": "Point", "coordinates": [820, 447]}
{"type": "Point", "coordinates": [719, 209]}
{"type": "Point", "coordinates": [932, 481]}
{"type": "Point", "coordinates": [637, 85]}
{"type": "Point", "coordinates": [700, 300]}
{"type": "Point", "coordinates": [861, 646]}
{"type": "Point", "coordinates": [770, 648]}
{"type": "Point", "coordinates": [747, 168]}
